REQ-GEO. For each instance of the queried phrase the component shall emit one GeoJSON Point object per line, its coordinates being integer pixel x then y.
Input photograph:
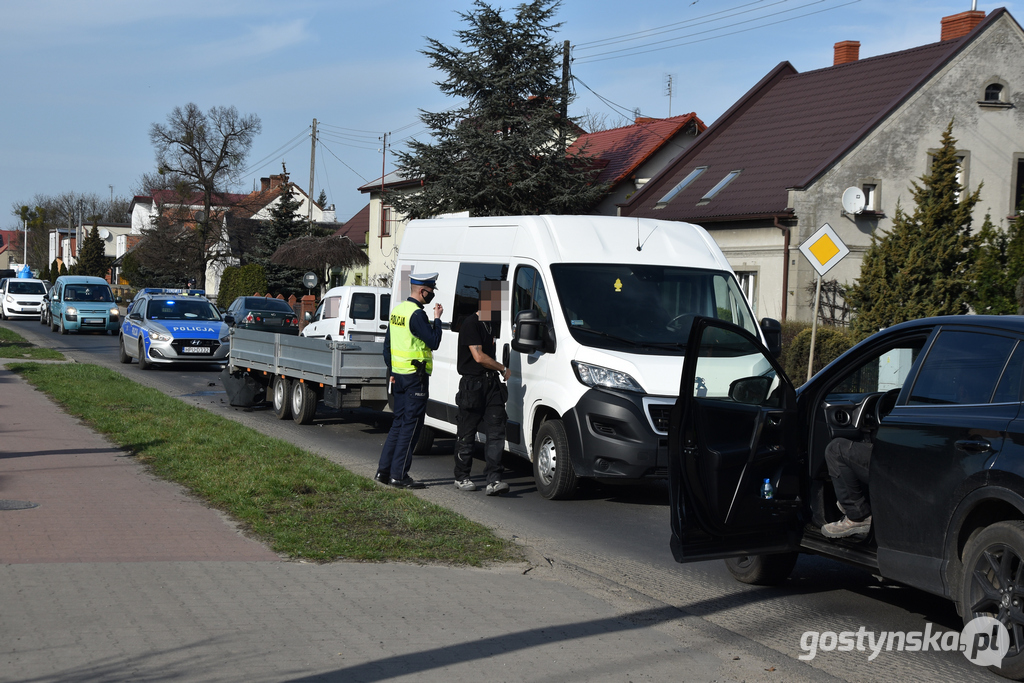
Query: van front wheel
{"type": "Point", "coordinates": [552, 470]}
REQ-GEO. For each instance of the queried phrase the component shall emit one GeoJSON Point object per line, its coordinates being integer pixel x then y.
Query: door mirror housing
{"type": "Point", "coordinates": [750, 390]}
{"type": "Point", "coordinates": [229, 319]}
{"type": "Point", "coordinates": [307, 316]}
{"type": "Point", "coordinates": [772, 331]}
{"type": "Point", "coordinates": [134, 316]}
{"type": "Point", "coordinates": [532, 334]}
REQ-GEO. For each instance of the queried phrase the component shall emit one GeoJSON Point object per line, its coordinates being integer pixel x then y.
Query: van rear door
{"type": "Point", "coordinates": [367, 317]}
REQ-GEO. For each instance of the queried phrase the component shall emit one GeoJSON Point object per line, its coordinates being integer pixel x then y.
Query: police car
{"type": "Point", "coordinates": [172, 326]}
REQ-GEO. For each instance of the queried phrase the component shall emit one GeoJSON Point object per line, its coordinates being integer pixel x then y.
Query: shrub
{"type": "Point", "coordinates": [829, 344]}
{"type": "Point", "coordinates": [241, 281]}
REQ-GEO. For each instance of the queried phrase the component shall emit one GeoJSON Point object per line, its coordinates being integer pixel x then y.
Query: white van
{"type": "Point", "coordinates": [602, 307]}
{"type": "Point", "coordinates": [351, 313]}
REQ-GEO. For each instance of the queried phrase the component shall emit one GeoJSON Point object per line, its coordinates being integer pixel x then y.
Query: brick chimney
{"type": "Point", "coordinates": [846, 51]}
{"type": "Point", "coordinates": [959, 25]}
{"type": "Point", "coordinates": [264, 184]}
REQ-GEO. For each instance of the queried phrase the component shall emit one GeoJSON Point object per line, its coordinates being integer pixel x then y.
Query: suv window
{"type": "Point", "coordinates": [882, 371]}
{"type": "Point", "coordinates": [962, 368]}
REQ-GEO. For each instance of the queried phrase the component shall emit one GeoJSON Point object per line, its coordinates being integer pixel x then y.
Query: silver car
{"type": "Point", "coordinates": [173, 328]}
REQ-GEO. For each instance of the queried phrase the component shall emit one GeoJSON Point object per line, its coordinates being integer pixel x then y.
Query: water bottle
{"type": "Point", "coordinates": [767, 492]}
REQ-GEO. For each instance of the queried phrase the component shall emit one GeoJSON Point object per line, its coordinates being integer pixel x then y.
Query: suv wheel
{"type": "Point", "coordinates": [993, 586]}
{"type": "Point", "coordinates": [762, 570]}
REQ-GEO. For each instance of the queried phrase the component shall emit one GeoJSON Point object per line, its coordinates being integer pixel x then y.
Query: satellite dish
{"type": "Point", "coordinates": [853, 200]}
{"type": "Point", "coordinates": [104, 234]}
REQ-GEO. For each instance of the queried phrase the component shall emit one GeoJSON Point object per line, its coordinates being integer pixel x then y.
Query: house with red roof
{"type": "Point", "coordinates": [774, 168]}
{"type": "Point", "coordinates": [629, 156]}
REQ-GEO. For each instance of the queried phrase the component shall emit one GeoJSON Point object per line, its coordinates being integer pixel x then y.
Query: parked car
{"type": "Point", "coordinates": [21, 298]}
{"type": "Point", "coordinates": [262, 313]}
{"type": "Point", "coordinates": [942, 397]}
{"type": "Point", "coordinates": [163, 328]}
{"type": "Point", "coordinates": [352, 313]}
{"type": "Point", "coordinates": [82, 303]}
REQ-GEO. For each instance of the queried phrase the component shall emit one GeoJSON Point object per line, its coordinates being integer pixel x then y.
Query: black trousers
{"type": "Point", "coordinates": [849, 463]}
{"type": "Point", "coordinates": [481, 404]}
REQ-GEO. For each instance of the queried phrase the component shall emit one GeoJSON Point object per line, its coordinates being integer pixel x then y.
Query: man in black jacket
{"type": "Point", "coordinates": [481, 397]}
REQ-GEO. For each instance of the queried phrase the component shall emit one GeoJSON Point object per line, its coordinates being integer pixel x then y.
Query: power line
{"type": "Point", "coordinates": [262, 162]}
{"type": "Point", "coordinates": [342, 162]}
{"type": "Point", "coordinates": [667, 28]}
{"type": "Point", "coordinates": [630, 52]}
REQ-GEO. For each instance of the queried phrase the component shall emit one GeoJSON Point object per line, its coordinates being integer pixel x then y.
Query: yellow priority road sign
{"type": "Point", "coordinates": [824, 249]}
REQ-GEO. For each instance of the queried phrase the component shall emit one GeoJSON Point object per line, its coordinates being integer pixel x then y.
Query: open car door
{"type": "Point", "coordinates": [733, 426]}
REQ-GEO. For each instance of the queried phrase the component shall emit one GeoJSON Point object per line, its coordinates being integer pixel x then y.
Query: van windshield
{"type": "Point", "coordinates": [644, 308]}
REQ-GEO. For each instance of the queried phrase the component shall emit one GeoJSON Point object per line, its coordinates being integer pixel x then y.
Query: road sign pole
{"type": "Point", "coordinates": [814, 329]}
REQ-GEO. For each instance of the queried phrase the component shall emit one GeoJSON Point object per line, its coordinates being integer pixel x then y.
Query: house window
{"type": "Point", "coordinates": [720, 186]}
{"type": "Point", "coordinates": [748, 280]}
{"type": "Point", "coordinates": [994, 92]}
{"type": "Point", "coordinates": [385, 223]}
{"type": "Point", "coordinates": [1018, 184]}
{"type": "Point", "coordinates": [870, 197]}
{"type": "Point", "coordinates": [690, 177]}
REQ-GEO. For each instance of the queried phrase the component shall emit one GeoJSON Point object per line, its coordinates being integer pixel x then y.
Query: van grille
{"type": "Point", "coordinates": [659, 413]}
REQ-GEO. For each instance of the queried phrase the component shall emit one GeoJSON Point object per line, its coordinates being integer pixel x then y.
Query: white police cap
{"type": "Point", "coordinates": [424, 279]}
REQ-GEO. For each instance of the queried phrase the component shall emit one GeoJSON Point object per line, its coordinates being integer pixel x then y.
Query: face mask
{"type": "Point", "coordinates": [427, 297]}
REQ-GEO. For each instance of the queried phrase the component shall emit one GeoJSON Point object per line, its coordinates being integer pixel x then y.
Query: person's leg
{"type": "Point", "coordinates": [494, 430]}
{"type": "Point", "coordinates": [848, 465]}
{"type": "Point", "coordinates": [415, 390]}
{"type": "Point", "coordinates": [387, 454]}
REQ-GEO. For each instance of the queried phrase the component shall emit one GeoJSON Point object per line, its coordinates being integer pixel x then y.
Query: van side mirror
{"type": "Point", "coordinates": [532, 334]}
{"type": "Point", "coordinates": [772, 331]}
{"type": "Point", "coordinates": [307, 316]}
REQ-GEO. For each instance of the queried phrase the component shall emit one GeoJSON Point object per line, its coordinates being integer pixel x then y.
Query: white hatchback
{"type": "Point", "coordinates": [21, 298]}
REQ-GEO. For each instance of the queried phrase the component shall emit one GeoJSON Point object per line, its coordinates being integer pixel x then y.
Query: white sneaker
{"type": "Point", "coordinates": [496, 487]}
{"type": "Point", "coordinates": [465, 485]}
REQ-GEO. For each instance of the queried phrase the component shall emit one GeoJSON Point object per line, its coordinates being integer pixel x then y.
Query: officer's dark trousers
{"type": "Point", "coordinates": [849, 463]}
{"type": "Point", "coordinates": [410, 394]}
{"type": "Point", "coordinates": [481, 408]}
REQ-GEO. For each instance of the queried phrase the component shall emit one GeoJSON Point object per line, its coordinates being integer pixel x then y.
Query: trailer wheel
{"type": "Point", "coordinates": [303, 402]}
{"type": "Point", "coordinates": [281, 398]}
{"type": "Point", "coordinates": [552, 470]}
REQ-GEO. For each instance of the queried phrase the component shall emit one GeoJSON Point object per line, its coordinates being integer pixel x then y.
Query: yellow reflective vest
{"type": "Point", "coordinates": [406, 346]}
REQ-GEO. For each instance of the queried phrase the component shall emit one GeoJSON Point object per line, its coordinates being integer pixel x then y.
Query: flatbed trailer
{"type": "Point", "coordinates": [295, 373]}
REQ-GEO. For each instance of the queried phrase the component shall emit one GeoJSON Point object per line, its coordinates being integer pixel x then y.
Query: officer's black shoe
{"type": "Point", "coordinates": [382, 478]}
{"type": "Point", "coordinates": [408, 483]}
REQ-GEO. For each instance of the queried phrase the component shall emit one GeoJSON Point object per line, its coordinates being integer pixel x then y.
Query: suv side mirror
{"type": "Point", "coordinates": [772, 331]}
{"type": "Point", "coordinates": [229, 319]}
{"type": "Point", "coordinates": [532, 334]}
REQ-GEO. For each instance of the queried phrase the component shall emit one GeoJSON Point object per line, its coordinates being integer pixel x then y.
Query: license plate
{"type": "Point", "coordinates": [195, 349]}
{"type": "Point", "coordinates": [93, 321]}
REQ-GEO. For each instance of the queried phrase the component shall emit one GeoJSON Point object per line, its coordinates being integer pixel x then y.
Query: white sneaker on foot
{"type": "Point", "coordinates": [465, 485]}
{"type": "Point", "coordinates": [496, 487]}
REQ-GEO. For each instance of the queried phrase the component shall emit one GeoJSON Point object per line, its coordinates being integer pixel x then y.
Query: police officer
{"type": "Point", "coordinates": [408, 347]}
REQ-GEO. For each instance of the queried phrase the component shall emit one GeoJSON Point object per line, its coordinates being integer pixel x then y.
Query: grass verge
{"type": "Point", "coordinates": [13, 345]}
{"type": "Point", "coordinates": [301, 504]}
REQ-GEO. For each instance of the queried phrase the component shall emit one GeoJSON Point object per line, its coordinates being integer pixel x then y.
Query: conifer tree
{"type": "Point", "coordinates": [91, 259]}
{"type": "Point", "coordinates": [998, 266]}
{"type": "Point", "coordinates": [921, 267]}
{"type": "Point", "coordinates": [285, 224]}
{"type": "Point", "coordinates": [503, 151]}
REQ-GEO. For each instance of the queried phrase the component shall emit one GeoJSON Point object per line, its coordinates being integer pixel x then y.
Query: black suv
{"type": "Point", "coordinates": [941, 400]}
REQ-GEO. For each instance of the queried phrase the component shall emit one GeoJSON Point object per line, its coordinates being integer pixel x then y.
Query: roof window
{"type": "Point", "coordinates": [720, 186]}
{"type": "Point", "coordinates": [690, 177]}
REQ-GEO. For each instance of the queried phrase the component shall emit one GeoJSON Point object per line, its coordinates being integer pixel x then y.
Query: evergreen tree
{"type": "Point", "coordinates": [321, 199]}
{"type": "Point", "coordinates": [91, 259]}
{"type": "Point", "coordinates": [503, 152]}
{"type": "Point", "coordinates": [921, 267]}
{"type": "Point", "coordinates": [286, 223]}
{"type": "Point", "coordinates": [54, 272]}
{"type": "Point", "coordinates": [998, 265]}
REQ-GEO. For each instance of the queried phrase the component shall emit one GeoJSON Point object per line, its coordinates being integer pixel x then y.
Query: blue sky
{"type": "Point", "coordinates": [83, 81]}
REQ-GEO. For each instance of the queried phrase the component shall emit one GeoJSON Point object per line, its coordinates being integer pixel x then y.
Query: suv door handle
{"type": "Point", "coordinates": [973, 445]}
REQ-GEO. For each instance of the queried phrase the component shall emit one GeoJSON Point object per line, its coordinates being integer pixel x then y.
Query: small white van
{"type": "Point", "coordinates": [602, 309]}
{"type": "Point", "coordinates": [351, 313]}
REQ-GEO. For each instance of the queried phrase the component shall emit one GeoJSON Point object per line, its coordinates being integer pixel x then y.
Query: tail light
{"type": "Point", "coordinates": [248, 318]}
{"type": "Point", "coordinates": [292, 321]}
{"type": "Point", "coordinates": [341, 329]}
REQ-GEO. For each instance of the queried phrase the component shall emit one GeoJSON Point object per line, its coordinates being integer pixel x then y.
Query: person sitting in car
{"type": "Point", "coordinates": [848, 464]}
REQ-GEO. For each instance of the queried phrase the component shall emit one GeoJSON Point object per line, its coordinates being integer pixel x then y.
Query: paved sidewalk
{"type": "Point", "coordinates": [117, 575]}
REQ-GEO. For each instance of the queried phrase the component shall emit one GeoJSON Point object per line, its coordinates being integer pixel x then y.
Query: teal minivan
{"type": "Point", "coordinates": [83, 303]}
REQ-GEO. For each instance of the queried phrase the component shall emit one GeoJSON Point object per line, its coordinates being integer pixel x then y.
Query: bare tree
{"type": "Point", "coordinates": [595, 121]}
{"type": "Point", "coordinates": [206, 153]}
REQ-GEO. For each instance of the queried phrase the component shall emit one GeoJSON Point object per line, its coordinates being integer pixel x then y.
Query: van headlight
{"type": "Point", "coordinates": [597, 376]}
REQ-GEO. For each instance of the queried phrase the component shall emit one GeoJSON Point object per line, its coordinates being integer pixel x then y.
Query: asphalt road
{"type": "Point", "coordinates": [610, 539]}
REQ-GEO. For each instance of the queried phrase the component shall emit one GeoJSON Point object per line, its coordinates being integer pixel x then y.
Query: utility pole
{"type": "Point", "coordinates": [668, 91]}
{"type": "Point", "coordinates": [312, 168]}
{"type": "Point", "coordinates": [565, 95]}
{"type": "Point", "coordinates": [383, 166]}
